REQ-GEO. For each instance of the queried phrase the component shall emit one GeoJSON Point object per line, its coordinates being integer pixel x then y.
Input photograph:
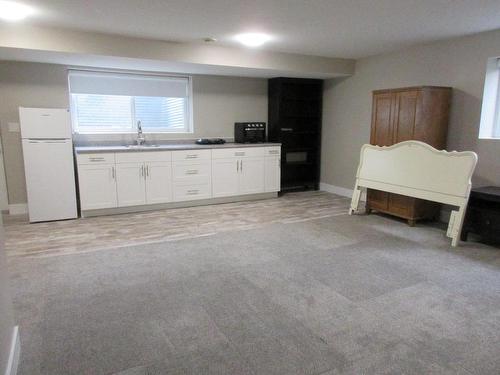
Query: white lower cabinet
{"type": "Point", "coordinates": [130, 184]}
{"type": "Point", "coordinates": [225, 177]}
{"type": "Point", "coordinates": [241, 171]}
{"type": "Point", "coordinates": [143, 183]}
{"type": "Point", "coordinates": [272, 173]}
{"type": "Point", "coordinates": [251, 175]}
{"type": "Point", "coordinates": [158, 182]}
{"type": "Point", "coordinates": [110, 180]}
{"type": "Point", "coordinates": [192, 175]}
{"type": "Point", "coordinates": [97, 186]}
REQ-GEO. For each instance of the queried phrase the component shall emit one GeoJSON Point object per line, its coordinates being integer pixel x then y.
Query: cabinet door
{"type": "Point", "coordinates": [158, 182]}
{"type": "Point", "coordinates": [405, 111]}
{"type": "Point", "coordinates": [97, 186]}
{"type": "Point", "coordinates": [272, 174]}
{"type": "Point", "coordinates": [382, 118]}
{"type": "Point", "coordinates": [225, 176]}
{"type": "Point", "coordinates": [251, 179]}
{"type": "Point", "coordinates": [130, 184]}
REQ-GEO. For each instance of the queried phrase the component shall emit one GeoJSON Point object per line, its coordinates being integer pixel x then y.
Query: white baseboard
{"type": "Point", "coordinates": [15, 353]}
{"type": "Point", "coordinates": [339, 190]}
{"type": "Point", "coordinates": [18, 209]}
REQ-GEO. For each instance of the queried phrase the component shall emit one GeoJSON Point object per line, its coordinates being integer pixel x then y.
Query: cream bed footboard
{"type": "Point", "coordinates": [418, 170]}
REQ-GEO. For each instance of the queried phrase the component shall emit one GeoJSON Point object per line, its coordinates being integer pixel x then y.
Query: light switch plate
{"type": "Point", "coordinates": [14, 127]}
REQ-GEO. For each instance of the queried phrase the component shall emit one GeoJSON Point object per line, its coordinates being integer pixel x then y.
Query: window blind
{"type": "Point", "coordinates": [115, 102]}
{"type": "Point", "coordinates": [102, 83]}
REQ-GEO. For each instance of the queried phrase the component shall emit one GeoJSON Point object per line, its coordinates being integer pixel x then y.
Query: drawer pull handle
{"type": "Point", "coordinates": [273, 151]}
{"type": "Point", "coordinates": [239, 154]}
{"type": "Point", "coordinates": [191, 156]}
{"type": "Point", "coordinates": [192, 171]}
{"type": "Point", "coordinates": [192, 192]}
{"type": "Point", "coordinates": [96, 159]}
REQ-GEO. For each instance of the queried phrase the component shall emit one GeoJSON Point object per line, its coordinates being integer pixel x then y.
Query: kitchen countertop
{"type": "Point", "coordinates": [168, 147]}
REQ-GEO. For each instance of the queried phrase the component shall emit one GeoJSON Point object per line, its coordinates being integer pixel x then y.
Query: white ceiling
{"type": "Point", "coordinates": [333, 28]}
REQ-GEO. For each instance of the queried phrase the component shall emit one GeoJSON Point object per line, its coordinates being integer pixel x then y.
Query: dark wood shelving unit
{"type": "Point", "coordinates": [295, 109]}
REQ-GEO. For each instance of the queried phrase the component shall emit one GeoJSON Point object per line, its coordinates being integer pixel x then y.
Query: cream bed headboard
{"type": "Point", "coordinates": [418, 170]}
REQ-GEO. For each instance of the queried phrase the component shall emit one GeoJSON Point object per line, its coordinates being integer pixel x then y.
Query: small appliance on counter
{"type": "Point", "coordinates": [249, 132]}
{"type": "Point", "coordinates": [210, 141]}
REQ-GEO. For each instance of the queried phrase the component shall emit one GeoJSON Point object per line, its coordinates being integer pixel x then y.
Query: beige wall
{"type": "Point", "coordinates": [6, 313]}
{"type": "Point", "coordinates": [459, 63]}
{"type": "Point", "coordinates": [217, 103]}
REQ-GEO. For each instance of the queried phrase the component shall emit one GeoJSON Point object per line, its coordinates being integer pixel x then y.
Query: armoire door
{"type": "Point", "coordinates": [382, 119]}
{"type": "Point", "coordinates": [381, 135]}
{"type": "Point", "coordinates": [405, 109]}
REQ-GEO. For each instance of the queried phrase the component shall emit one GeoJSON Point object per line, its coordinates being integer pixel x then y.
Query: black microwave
{"type": "Point", "coordinates": [249, 132]}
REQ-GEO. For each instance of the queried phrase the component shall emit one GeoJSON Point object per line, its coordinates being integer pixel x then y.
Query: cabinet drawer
{"type": "Point", "coordinates": [99, 158]}
{"type": "Point", "coordinates": [192, 173]}
{"type": "Point", "coordinates": [241, 152]}
{"type": "Point", "coordinates": [273, 151]}
{"type": "Point", "coordinates": [190, 155]}
{"type": "Point", "coordinates": [140, 157]}
{"type": "Point", "coordinates": [191, 192]}
{"type": "Point", "coordinates": [182, 170]}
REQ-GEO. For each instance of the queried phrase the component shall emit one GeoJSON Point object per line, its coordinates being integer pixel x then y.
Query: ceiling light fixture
{"type": "Point", "coordinates": [11, 11]}
{"type": "Point", "coordinates": [252, 39]}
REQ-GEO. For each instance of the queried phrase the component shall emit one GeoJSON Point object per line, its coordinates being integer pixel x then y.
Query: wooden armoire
{"type": "Point", "coordinates": [420, 113]}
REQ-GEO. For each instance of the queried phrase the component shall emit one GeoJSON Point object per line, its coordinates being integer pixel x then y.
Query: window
{"type": "Point", "coordinates": [103, 102]}
{"type": "Point", "coordinates": [490, 112]}
{"type": "Point", "coordinates": [496, 125]}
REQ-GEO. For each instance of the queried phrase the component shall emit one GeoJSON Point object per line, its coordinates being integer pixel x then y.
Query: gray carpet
{"type": "Point", "coordinates": [340, 295]}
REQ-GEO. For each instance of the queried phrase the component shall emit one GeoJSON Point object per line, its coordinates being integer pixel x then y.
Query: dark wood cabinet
{"type": "Point", "coordinates": [419, 113]}
{"type": "Point", "coordinates": [295, 108]}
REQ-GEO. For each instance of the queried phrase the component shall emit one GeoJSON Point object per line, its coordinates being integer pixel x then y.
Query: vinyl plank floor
{"type": "Point", "coordinates": [104, 232]}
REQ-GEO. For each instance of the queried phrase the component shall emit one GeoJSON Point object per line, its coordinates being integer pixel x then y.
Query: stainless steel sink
{"type": "Point", "coordinates": [141, 146]}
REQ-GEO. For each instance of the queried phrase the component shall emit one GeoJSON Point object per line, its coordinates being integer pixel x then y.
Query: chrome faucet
{"type": "Point", "coordinates": [141, 139]}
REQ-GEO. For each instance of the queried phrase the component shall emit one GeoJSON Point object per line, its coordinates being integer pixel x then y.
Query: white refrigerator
{"type": "Point", "coordinates": [48, 163]}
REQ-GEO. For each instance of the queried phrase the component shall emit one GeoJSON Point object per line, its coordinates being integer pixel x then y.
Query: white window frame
{"type": "Point", "coordinates": [495, 131]}
{"type": "Point", "coordinates": [97, 130]}
{"type": "Point", "coordinates": [489, 127]}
